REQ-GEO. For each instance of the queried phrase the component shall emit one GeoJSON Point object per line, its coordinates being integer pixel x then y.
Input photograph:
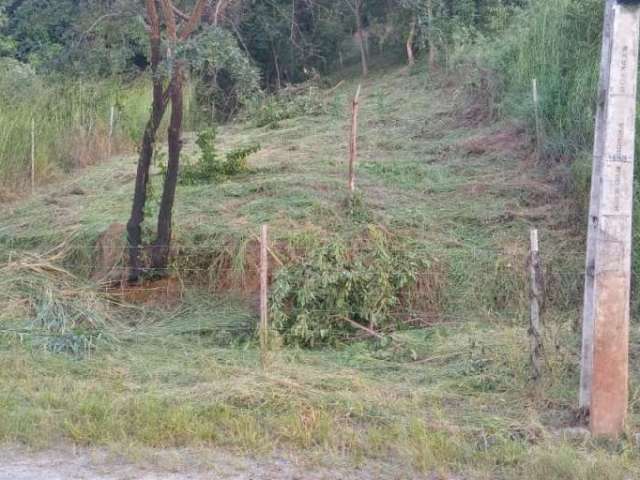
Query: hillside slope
{"type": "Point", "coordinates": [448, 393]}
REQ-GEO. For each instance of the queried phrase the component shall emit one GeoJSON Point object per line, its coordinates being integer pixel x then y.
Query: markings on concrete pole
{"type": "Point", "coordinates": [611, 250]}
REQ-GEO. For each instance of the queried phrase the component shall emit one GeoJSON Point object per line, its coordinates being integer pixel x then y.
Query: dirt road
{"type": "Point", "coordinates": [83, 464]}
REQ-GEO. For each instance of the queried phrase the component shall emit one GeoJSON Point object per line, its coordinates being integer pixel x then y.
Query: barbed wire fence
{"type": "Point", "coordinates": [167, 288]}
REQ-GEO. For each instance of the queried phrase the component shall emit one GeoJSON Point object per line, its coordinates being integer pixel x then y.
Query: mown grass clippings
{"type": "Point", "coordinates": [448, 393]}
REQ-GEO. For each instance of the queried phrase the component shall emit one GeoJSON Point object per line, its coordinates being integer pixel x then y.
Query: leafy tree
{"type": "Point", "coordinates": [290, 39]}
{"type": "Point", "coordinates": [225, 77]}
{"type": "Point", "coordinates": [7, 44]}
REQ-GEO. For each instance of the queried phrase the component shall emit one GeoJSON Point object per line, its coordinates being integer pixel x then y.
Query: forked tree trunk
{"type": "Point", "coordinates": [363, 47]}
{"type": "Point", "coordinates": [134, 225]}
{"type": "Point", "coordinates": [432, 46]}
{"type": "Point", "coordinates": [160, 100]}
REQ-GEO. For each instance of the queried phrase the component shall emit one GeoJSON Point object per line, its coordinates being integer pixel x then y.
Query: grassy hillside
{"type": "Point", "coordinates": [446, 391]}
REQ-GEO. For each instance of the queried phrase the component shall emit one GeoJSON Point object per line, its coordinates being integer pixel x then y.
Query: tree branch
{"type": "Point", "coordinates": [352, 6]}
{"type": "Point", "coordinates": [220, 6]}
{"type": "Point", "coordinates": [194, 21]}
{"type": "Point", "coordinates": [169, 19]}
{"type": "Point", "coordinates": [180, 13]}
{"type": "Point", "coordinates": [154, 20]}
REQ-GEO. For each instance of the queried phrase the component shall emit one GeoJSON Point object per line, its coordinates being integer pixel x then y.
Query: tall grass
{"type": "Point", "coordinates": [71, 128]}
{"type": "Point", "coordinates": [558, 43]}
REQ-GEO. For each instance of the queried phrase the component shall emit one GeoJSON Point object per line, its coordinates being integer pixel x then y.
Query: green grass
{"type": "Point", "coordinates": [469, 409]}
{"type": "Point", "coordinates": [452, 396]}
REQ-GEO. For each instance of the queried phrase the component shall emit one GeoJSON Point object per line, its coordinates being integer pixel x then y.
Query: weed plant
{"type": "Point", "coordinates": [210, 167]}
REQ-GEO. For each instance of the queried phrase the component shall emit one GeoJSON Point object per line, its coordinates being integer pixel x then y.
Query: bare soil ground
{"type": "Point", "coordinates": [85, 464]}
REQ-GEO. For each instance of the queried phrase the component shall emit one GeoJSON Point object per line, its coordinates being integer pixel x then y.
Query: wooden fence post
{"type": "Point", "coordinates": [612, 230]}
{"type": "Point", "coordinates": [353, 141]}
{"type": "Point", "coordinates": [33, 155]}
{"type": "Point", "coordinates": [111, 120]}
{"type": "Point", "coordinates": [264, 306]}
{"type": "Point", "coordinates": [536, 108]}
{"type": "Point", "coordinates": [536, 298]}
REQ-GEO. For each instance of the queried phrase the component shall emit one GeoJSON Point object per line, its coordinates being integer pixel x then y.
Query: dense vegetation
{"type": "Point", "coordinates": [242, 46]}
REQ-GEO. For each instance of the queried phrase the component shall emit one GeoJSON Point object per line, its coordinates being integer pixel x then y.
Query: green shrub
{"type": "Point", "coordinates": [225, 78]}
{"type": "Point", "coordinates": [237, 160]}
{"type": "Point", "coordinates": [288, 103]}
{"type": "Point", "coordinates": [211, 167]}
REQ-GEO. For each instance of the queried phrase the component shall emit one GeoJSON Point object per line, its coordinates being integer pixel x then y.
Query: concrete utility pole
{"type": "Point", "coordinates": [605, 335]}
{"type": "Point", "coordinates": [598, 147]}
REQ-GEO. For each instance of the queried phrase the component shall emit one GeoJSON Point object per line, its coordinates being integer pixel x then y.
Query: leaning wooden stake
{"type": "Point", "coordinates": [586, 363]}
{"type": "Point", "coordinates": [612, 230]}
{"type": "Point", "coordinates": [536, 109]}
{"type": "Point", "coordinates": [353, 141]}
{"type": "Point", "coordinates": [33, 155]}
{"type": "Point", "coordinates": [264, 278]}
{"type": "Point", "coordinates": [536, 289]}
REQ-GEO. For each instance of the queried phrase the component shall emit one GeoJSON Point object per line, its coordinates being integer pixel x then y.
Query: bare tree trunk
{"type": "Point", "coordinates": [161, 247]}
{"type": "Point", "coordinates": [432, 46]}
{"type": "Point", "coordinates": [219, 11]}
{"type": "Point", "coordinates": [412, 34]}
{"type": "Point", "coordinates": [363, 50]}
{"type": "Point", "coordinates": [277, 67]}
{"type": "Point", "coordinates": [159, 106]}
{"type": "Point", "coordinates": [134, 226]}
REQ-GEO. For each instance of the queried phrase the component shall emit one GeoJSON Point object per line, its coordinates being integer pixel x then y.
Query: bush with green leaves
{"type": "Point", "coordinates": [18, 81]}
{"type": "Point", "coordinates": [288, 103]}
{"type": "Point", "coordinates": [364, 281]}
{"type": "Point", "coordinates": [225, 78]}
{"type": "Point", "coordinates": [211, 166]}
